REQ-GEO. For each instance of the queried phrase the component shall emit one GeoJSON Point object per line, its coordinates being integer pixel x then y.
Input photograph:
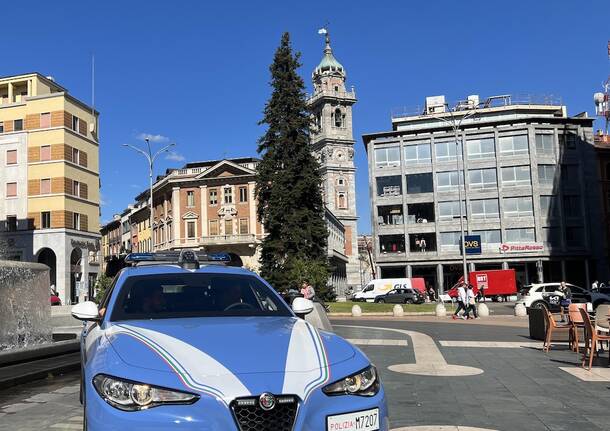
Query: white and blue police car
{"type": "Point", "coordinates": [176, 344]}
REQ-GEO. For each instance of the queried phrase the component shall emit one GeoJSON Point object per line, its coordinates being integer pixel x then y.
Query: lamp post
{"type": "Point", "coordinates": [150, 157]}
{"type": "Point", "coordinates": [455, 126]}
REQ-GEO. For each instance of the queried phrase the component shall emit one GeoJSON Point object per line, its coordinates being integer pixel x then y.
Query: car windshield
{"type": "Point", "coordinates": [195, 295]}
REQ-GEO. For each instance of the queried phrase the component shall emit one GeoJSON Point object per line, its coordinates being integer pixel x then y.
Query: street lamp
{"type": "Point", "coordinates": [151, 160]}
{"type": "Point", "coordinates": [456, 125]}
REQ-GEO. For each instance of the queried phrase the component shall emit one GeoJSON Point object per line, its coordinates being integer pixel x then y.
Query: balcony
{"type": "Point", "coordinates": [351, 95]}
{"type": "Point", "coordinates": [229, 239]}
{"type": "Point", "coordinates": [390, 215]}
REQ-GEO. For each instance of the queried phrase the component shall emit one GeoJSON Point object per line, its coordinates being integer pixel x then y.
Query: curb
{"type": "Point", "coordinates": [385, 313]}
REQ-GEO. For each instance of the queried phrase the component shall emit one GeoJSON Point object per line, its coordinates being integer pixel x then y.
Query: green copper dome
{"type": "Point", "coordinates": [329, 63]}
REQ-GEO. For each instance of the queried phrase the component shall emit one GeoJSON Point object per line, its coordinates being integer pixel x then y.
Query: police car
{"type": "Point", "coordinates": [181, 342]}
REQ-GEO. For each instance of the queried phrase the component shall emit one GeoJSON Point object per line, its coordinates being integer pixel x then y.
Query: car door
{"type": "Point", "coordinates": [552, 296]}
{"type": "Point", "coordinates": [393, 296]}
{"type": "Point", "coordinates": [579, 295]}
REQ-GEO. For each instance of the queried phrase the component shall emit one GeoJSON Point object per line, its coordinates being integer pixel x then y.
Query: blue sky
{"type": "Point", "coordinates": [197, 72]}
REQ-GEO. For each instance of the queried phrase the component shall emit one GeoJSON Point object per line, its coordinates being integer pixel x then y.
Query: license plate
{"type": "Point", "coordinates": [366, 420]}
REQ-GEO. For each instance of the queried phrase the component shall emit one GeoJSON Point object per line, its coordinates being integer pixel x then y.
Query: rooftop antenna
{"type": "Point", "coordinates": [602, 100]}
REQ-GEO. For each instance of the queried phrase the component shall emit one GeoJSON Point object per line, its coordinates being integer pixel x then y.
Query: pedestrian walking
{"type": "Point", "coordinates": [566, 300]}
{"type": "Point", "coordinates": [471, 302]}
{"type": "Point", "coordinates": [462, 301]}
{"type": "Point", "coordinates": [307, 290]}
{"type": "Point", "coordinates": [432, 294]}
{"type": "Point", "coordinates": [595, 286]}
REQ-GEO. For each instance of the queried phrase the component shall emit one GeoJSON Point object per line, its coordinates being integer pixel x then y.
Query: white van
{"type": "Point", "coordinates": [383, 286]}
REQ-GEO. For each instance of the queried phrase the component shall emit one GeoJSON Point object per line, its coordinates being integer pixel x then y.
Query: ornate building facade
{"type": "Point", "coordinates": [333, 144]}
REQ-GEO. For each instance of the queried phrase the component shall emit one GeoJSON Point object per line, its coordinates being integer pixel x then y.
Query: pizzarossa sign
{"type": "Point", "coordinates": [521, 248]}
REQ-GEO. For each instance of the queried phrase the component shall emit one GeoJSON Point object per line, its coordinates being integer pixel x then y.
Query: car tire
{"type": "Point", "coordinates": [408, 301]}
{"type": "Point", "coordinates": [380, 301]}
{"type": "Point", "coordinates": [539, 304]}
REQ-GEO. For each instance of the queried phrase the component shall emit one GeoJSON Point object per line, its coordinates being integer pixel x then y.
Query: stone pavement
{"type": "Point", "coordinates": [439, 375]}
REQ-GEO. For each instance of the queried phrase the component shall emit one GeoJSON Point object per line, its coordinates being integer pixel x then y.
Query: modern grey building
{"type": "Point", "coordinates": [530, 192]}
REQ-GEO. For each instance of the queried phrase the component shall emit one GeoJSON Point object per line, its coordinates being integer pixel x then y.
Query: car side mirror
{"type": "Point", "coordinates": [86, 311]}
{"type": "Point", "coordinates": [302, 306]}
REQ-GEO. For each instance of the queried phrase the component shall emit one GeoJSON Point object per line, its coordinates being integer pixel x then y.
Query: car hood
{"type": "Point", "coordinates": [234, 356]}
{"type": "Point", "coordinates": [221, 352]}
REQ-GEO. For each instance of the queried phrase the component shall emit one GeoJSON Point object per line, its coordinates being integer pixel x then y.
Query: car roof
{"type": "Point", "coordinates": [161, 269]}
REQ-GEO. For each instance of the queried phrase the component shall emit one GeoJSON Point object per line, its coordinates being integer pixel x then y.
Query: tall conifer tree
{"type": "Point", "coordinates": [290, 204]}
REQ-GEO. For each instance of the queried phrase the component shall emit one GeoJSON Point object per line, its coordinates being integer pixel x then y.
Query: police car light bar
{"type": "Point", "coordinates": [179, 257]}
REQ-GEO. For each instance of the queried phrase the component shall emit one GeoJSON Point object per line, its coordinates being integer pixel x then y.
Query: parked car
{"type": "Point", "coordinates": [179, 345]}
{"type": "Point", "coordinates": [549, 295]}
{"type": "Point", "coordinates": [382, 286]}
{"type": "Point", "coordinates": [401, 296]}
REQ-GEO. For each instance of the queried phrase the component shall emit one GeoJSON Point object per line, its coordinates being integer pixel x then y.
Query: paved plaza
{"type": "Point", "coordinates": [438, 374]}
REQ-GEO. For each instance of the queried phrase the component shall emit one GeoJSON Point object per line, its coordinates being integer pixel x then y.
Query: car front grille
{"type": "Point", "coordinates": [250, 416]}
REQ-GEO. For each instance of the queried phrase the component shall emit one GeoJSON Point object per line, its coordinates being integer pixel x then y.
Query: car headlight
{"type": "Point", "coordinates": [131, 396]}
{"type": "Point", "coordinates": [364, 383]}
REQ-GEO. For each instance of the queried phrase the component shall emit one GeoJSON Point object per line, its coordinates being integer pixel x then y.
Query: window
{"type": "Point", "coordinates": [545, 144]}
{"type": "Point", "coordinates": [569, 175]}
{"type": "Point", "coordinates": [491, 236]}
{"type": "Point", "coordinates": [75, 188]}
{"type": "Point", "coordinates": [229, 227]}
{"type": "Point", "coordinates": [190, 229]}
{"type": "Point", "coordinates": [549, 206]}
{"type": "Point", "coordinates": [243, 226]}
{"type": "Point", "coordinates": [513, 145]}
{"type": "Point", "coordinates": [340, 182]}
{"type": "Point", "coordinates": [546, 174]}
{"type": "Point", "coordinates": [392, 243]}
{"type": "Point", "coordinates": [18, 125]}
{"type": "Point", "coordinates": [448, 181]}
{"type": "Point", "coordinates": [213, 197]}
{"type": "Point", "coordinates": [45, 120]}
{"type": "Point", "coordinates": [575, 236]}
{"type": "Point", "coordinates": [213, 227]}
{"type": "Point", "coordinates": [11, 223]}
{"type": "Point", "coordinates": [1, 126]}
{"type": "Point", "coordinates": [417, 154]}
{"type": "Point", "coordinates": [190, 198]}
{"type": "Point", "coordinates": [450, 210]}
{"type": "Point", "coordinates": [446, 151]}
{"type": "Point", "coordinates": [571, 206]}
{"type": "Point", "coordinates": [45, 186]}
{"type": "Point", "coordinates": [484, 209]}
{"type": "Point", "coordinates": [419, 183]}
{"type": "Point", "coordinates": [567, 140]}
{"type": "Point", "coordinates": [482, 178]}
{"type": "Point", "coordinates": [516, 176]}
{"type": "Point", "coordinates": [342, 200]}
{"type": "Point", "coordinates": [480, 148]}
{"type": "Point", "coordinates": [243, 194]}
{"type": "Point", "coordinates": [45, 153]}
{"type": "Point", "coordinates": [518, 207]}
{"type": "Point", "coordinates": [75, 123]}
{"type": "Point", "coordinates": [520, 235]}
{"type": "Point", "coordinates": [11, 190]}
{"type": "Point", "coordinates": [450, 240]}
{"type": "Point", "coordinates": [45, 219]}
{"type": "Point", "coordinates": [11, 157]}
{"type": "Point", "coordinates": [338, 118]}
{"type": "Point", "coordinates": [387, 157]}
{"type": "Point", "coordinates": [228, 192]}
{"type": "Point", "coordinates": [76, 221]}
{"type": "Point", "coordinates": [552, 236]}
{"type": "Point", "coordinates": [75, 156]}
{"type": "Point", "coordinates": [389, 186]}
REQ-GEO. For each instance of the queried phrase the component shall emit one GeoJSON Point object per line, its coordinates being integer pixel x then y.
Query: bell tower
{"type": "Point", "coordinates": [333, 142]}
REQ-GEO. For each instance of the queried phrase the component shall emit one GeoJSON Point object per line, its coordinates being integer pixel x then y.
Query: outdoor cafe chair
{"type": "Point", "coordinates": [602, 325]}
{"type": "Point", "coordinates": [576, 322]}
{"type": "Point", "coordinates": [552, 326]}
{"type": "Point", "coordinates": [591, 339]}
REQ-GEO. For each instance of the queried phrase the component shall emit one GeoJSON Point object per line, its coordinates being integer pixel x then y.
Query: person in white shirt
{"type": "Point", "coordinates": [462, 301]}
{"type": "Point", "coordinates": [471, 302]}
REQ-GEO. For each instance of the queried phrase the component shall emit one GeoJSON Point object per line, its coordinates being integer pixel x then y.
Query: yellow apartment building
{"type": "Point", "coordinates": [49, 181]}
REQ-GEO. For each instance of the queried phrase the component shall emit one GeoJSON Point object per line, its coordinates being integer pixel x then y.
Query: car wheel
{"type": "Point", "coordinates": [380, 301]}
{"type": "Point", "coordinates": [539, 305]}
{"type": "Point", "coordinates": [408, 301]}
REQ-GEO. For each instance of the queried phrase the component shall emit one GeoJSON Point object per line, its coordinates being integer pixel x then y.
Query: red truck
{"type": "Point", "coordinates": [497, 284]}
